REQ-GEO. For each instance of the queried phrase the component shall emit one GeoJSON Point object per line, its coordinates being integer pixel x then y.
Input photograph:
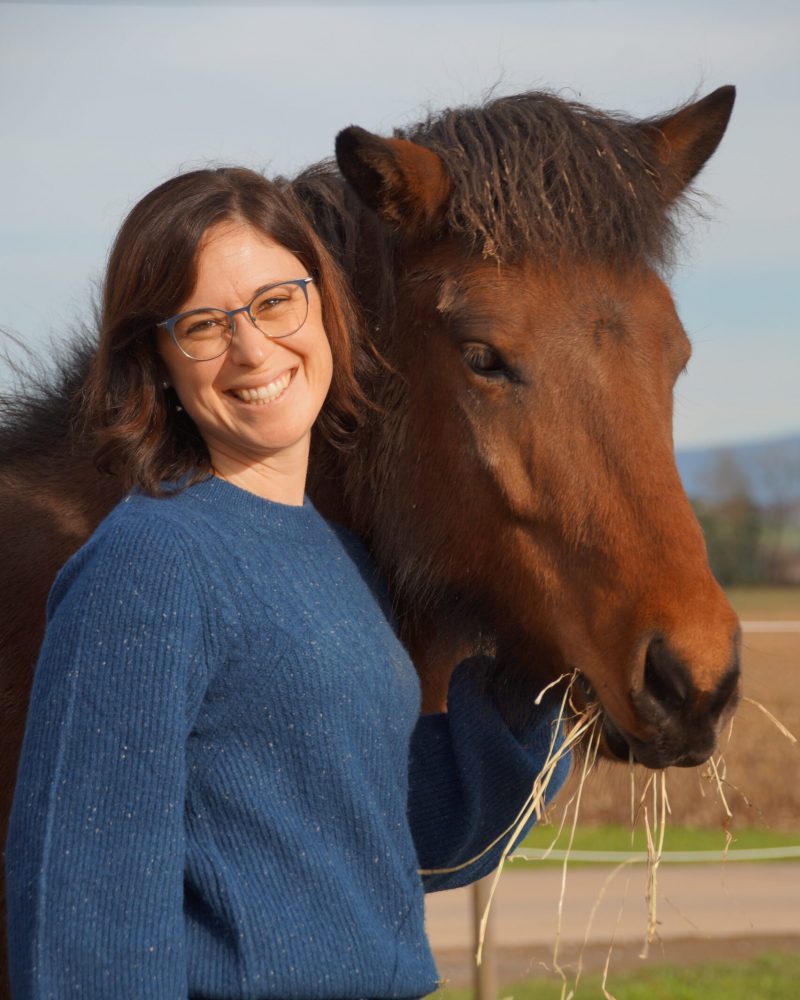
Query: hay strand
{"type": "Point", "coordinates": [776, 722]}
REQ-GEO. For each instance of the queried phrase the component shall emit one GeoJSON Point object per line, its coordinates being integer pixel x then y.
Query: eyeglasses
{"type": "Point", "coordinates": [277, 310]}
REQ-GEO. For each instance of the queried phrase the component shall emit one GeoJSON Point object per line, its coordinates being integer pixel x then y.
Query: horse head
{"type": "Point", "coordinates": [521, 486]}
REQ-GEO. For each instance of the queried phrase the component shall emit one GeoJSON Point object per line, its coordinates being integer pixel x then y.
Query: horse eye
{"type": "Point", "coordinates": [484, 360]}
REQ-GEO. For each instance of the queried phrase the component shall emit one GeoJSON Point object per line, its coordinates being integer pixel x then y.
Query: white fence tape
{"type": "Point", "coordinates": [770, 626]}
{"type": "Point", "coordinates": [674, 857]}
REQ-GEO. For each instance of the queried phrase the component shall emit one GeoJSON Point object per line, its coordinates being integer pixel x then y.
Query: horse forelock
{"type": "Point", "coordinates": [537, 176]}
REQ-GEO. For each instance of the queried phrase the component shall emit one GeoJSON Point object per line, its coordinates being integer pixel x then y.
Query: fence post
{"type": "Point", "coordinates": [485, 978]}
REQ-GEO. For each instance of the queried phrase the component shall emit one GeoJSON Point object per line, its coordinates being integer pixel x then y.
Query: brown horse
{"type": "Point", "coordinates": [516, 483]}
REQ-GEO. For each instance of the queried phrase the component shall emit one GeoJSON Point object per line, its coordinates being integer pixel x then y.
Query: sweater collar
{"type": "Point", "coordinates": [280, 517]}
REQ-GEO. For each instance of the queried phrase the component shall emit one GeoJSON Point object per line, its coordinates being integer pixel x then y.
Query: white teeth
{"type": "Point", "coordinates": [264, 393]}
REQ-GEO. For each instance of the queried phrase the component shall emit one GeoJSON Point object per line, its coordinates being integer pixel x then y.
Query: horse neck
{"type": "Point", "coordinates": [359, 243]}
{"type": "Point", "coordinates": [341, 484]}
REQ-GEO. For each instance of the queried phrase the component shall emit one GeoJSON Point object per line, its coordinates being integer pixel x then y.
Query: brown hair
{"type": "Point", "coordinates": [141, 434]}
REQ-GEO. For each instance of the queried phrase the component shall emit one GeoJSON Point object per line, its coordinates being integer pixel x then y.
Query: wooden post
{"type": "Point", "coordinates": [485, 973]}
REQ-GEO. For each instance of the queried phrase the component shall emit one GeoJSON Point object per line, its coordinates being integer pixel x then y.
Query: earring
{"type": "Point", "coordinates": [178, 407]}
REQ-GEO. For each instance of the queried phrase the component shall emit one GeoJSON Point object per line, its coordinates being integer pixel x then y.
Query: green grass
{"type": "Point", "coordinates": [772, 976]}
{"type": "Point", "coordinates": [766, 602]}
{"type": "Point", "coordinates": [676, 838]}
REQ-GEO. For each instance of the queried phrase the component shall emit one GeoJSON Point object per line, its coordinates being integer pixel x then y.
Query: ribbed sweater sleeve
{"type": "Point", "coordinates": [470, 775]}
{"type": "Point", "coordinates": [95, 853]}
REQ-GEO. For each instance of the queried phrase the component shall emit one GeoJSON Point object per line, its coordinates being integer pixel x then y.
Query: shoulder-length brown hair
{"type": "Point", "coordinates": [141, 434]}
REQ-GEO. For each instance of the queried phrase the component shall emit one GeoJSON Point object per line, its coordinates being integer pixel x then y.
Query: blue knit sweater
{"type": "Point", "coordinates": [226, 790]}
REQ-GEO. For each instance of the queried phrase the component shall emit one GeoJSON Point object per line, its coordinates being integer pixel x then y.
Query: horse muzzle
{"type": "Point", "coordinates": [676, 722]}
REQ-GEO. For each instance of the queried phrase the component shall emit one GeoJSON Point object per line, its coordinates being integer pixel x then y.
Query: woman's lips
{"type": "Point", "coordinates": [267, 393]}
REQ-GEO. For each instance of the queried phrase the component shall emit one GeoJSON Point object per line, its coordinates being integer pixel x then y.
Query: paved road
{"type": "Point", "coordinates": [709, 901]}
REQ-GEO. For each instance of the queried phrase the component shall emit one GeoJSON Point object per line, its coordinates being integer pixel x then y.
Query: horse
{"type": "Point", "coordinates": [515, 478]}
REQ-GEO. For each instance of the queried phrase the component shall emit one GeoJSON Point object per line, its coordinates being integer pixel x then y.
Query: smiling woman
{"type": "Point", "coordinates": [205, 255]}
{"type": "Point", "coordinates": [226, 788]}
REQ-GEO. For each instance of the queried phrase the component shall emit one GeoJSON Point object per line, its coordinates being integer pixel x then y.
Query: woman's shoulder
{"type": "Point", "coordinates": [367, 567]}
{"type": "Point", "coordinates": [352, 544]}
{"type": "Point", "coordinates": [140, 518]}
{"type": "Point", "coordinates": [141, 538]}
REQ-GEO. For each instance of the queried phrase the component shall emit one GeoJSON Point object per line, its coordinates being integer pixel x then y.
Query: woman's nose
{"type": "Point", "coordinates": [249, 345]}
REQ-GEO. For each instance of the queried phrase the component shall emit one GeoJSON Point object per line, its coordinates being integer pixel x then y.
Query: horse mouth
{"type": "Point", "coordinates": [660, 751]}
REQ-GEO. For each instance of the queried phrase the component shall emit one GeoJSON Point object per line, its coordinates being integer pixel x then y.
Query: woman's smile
{"type": "Point", "coordinates": [266, 391]}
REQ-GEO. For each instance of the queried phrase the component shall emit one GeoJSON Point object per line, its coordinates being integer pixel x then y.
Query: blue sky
{"type": "Point", "coordinates": [100, 102]}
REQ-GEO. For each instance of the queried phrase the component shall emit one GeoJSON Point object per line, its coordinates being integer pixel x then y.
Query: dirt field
{"type": "Point", "coordinates": [456, 966]}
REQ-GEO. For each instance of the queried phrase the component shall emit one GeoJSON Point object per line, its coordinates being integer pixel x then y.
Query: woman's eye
{"type": "Point", "coordinates": [271, 305]}
{"type": "Point", "coordinates": [206, 327]}
{"type": "Point", "coordinates": [484, 360]}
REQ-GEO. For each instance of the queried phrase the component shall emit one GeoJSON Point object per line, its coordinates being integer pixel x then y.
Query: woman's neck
{"type": "Point", "coordinates": [281, 478]}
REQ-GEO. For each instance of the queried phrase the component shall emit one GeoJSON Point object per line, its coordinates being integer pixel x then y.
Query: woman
{"type": "Point", "coordinates": [225, 789]}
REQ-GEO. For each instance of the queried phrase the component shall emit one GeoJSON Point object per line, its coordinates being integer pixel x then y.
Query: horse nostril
{"type": "Point", "coordinates": [666, 678]}
{"type": "Point", "coordinates": [682, 716]}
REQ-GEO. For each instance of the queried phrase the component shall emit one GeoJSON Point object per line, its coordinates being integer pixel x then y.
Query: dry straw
{"type": "Point", "coordinates": [585, 726]}
{"type": "Point", "coordinates": [776, 722]}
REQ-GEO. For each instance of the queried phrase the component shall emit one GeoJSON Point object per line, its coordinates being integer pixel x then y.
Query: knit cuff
{"type": "Point", "coordinates": [471, 701]}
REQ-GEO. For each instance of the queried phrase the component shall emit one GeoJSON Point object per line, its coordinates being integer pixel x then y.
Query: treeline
{"type": "Point", "coordinates": [751, 541]}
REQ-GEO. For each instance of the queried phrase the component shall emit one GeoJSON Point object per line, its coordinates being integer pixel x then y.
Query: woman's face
{"type": "Point", "coordinates": [294, 373]}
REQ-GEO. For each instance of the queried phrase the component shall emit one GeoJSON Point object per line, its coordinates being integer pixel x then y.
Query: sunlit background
{"type": "Point", "coordinates": [100, 102]}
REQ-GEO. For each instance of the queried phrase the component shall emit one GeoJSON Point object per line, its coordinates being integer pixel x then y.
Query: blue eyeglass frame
{"type": "Point", "coordinates": [169, 324]}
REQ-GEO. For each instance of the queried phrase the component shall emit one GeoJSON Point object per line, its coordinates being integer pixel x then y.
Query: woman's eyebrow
{"type": "Point", "coordinates": [258, 291]}
{"type": "Point", "coordinates": [269, 284]}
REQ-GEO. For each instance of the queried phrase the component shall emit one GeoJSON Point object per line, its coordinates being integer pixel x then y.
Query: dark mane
{"type": "Point", "coordinates": [40, 404]}
{"type": "Point", "coordinates": [536, 174]}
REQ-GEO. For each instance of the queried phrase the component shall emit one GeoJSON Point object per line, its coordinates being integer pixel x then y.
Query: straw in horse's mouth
{"type": "Point", "coordinates": [613, 739]}
{"type": "Point", "coordinates": [617, 744]}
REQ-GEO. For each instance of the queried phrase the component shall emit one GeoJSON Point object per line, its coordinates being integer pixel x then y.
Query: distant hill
{"type": "Point", "coordinates": [770, 470]}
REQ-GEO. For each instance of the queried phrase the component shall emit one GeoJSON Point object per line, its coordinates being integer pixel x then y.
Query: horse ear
{"type": "Point", "coordinates": [404, 183]}
{"type": "Point", "coordinates": [686, 139]}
